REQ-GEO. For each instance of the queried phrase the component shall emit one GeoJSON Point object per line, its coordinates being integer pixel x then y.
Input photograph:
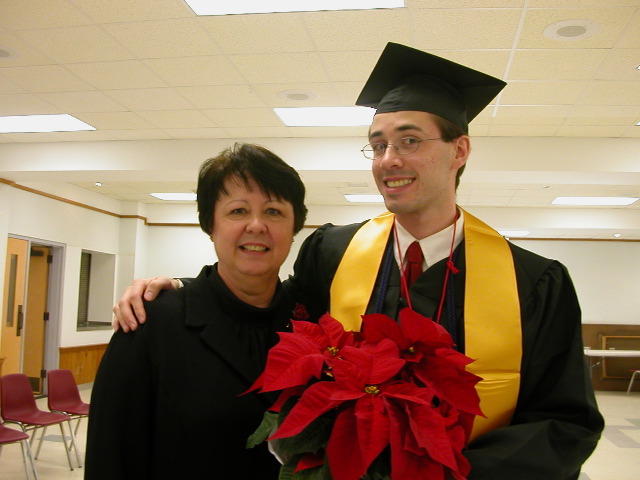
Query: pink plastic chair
{"type": "Point", "coordinates": [18, 406]}
{"type": "Point", "coordinates": [63, 396]}
{"type": "Point", "coordinates": [9, 435]}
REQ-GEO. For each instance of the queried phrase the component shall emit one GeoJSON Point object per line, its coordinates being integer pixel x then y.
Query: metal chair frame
{"type": "Point", "coordinates": [8, 436]}
{"type": "Point", "coordinates": [633, 376]}
{"type": "Point", "coordinates": [63, 397]}
{"type": "Point", "coordinates": [27, 423]}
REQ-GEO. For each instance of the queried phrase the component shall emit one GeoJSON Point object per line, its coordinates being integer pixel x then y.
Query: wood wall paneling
{"type": "Point", "coordinates": [612, 373]}
{"type": "Point", "coordinates": [83, 361]}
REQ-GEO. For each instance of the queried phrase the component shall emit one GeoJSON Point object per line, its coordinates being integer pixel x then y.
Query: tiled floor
{"type": "Point", "coordinates": [616, 458]}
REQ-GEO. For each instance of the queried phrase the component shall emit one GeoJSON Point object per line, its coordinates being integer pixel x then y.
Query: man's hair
{"type": "Point", "coordinates": [246, 162]}
{"type": "Point", "coordinates": [449, 131]}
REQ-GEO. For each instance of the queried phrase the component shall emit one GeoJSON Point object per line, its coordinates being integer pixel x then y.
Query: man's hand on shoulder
{"type": "Point", "coordinates": [129, 311]}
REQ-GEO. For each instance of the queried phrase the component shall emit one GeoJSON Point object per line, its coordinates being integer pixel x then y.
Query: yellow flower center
{"type": "Point", "coordinates": [333, 350]}
{"type": "Point", "coordinates": [372, 389]}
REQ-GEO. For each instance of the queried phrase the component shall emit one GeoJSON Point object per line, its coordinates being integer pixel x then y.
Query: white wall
{"type": "Point", "coordinates": [605, 275]}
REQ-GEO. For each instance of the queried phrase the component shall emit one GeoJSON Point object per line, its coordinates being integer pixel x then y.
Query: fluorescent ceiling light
{"type": "Point", "coordinates": [42, 123]}
{"type": "Point", "coordinates": [325, 116]}
{"type": "Point", "coordinates": [595, 201]}
{"type": "Point", "coordinates": [364, 198]}
{"type": "Point", "coordinates": [514, 233]}
{"type": "Point", "coordinates": [185, 197]}
{"type": "Point", "coordinates": [236, 7]}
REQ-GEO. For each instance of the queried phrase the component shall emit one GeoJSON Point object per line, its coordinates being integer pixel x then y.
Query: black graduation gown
{"type": "Point", "coordinates": [166, 402]}
{"type": "Point", "coordinates": [556, 424]}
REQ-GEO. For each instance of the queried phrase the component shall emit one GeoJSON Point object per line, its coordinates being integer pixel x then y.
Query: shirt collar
{"type": "Point", "coordinates": [434, 247]}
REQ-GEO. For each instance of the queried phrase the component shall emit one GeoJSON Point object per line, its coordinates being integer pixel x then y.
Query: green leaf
{"type": "Point", "coordinates": [310, 440]}
{"type": "Point", "coordinates": [266, 427]}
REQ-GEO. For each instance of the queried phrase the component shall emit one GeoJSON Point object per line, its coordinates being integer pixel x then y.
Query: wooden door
{"type": "Point", "coordinates": [14, 304]}
{"type": "Point", "coordinates": [36, 317]}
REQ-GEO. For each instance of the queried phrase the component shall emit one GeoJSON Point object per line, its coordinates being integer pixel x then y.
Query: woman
{"type": "Point", "coordinates": [207, 342]}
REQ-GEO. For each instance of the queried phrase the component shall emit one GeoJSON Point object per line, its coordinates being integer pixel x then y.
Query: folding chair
{"type": "Point", "coordinates": [633, 376]}
{"type": "Point", "coordinates": [63, 396]}
{"type": "Point", "coordinates": [18, 406]}
{"type": "Point", "coordinates": [9, 435]}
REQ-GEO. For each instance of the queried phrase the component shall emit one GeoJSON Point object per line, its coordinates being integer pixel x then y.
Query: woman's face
{"type": "Point", "coordinates": [252, 233]}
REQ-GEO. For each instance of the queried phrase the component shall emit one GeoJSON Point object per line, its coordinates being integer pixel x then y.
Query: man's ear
{"type": "Point", "coordinates": [462, 146]}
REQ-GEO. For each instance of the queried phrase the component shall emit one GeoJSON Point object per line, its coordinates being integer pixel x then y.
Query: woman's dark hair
{"type": "Point", "coordinates": [246, 162]}
{"type": "Point", "coordinates": [449, 131]}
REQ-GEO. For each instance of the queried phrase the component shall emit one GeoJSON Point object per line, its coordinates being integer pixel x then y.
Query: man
{"type": "Point", "coordinates": [514, 312]}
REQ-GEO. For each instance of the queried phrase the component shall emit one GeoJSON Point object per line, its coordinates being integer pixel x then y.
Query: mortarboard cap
{"type": "Point", "coordinates": [408, 79]}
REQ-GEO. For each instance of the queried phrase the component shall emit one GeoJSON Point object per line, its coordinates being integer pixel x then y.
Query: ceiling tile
{"type": "Point", "coordinates": [574, 64]}
{"type": "Point", "coordinates": [150, 99]}
{"type": "Point", "coordinates": [611, 93]}
{"type": "Point", "coordinates": [125, 74]}
{"type": "Point", "coordinates": [191, 71]}
{"type": "Point", "coordinates": [20, 15]}
{"type": "Point", "coordinates": [611, 22]}
{"type": "Point", "coordinates": [368, 29]}
{"type": "Point", "coordinates": [21, 53]}
{"type": "Point", "coordinates": [591, 131]}
{"type": "Point", "coordinates": [469, 3]}
{"type": "Point", "coordinates": [630, 38]}
{"type": "Point", "coordinates": [532, 114]}
{"type": "Point", "coordinates": [542, 92]}
{"type": "Point", "coordinates": [7, 87]}
{"type": "Point", "coordinates": [221, 96]}
{"type": "Point", "coordinates": [489, 28]}
{"type": "Point", "coordinates": [77, 44]}
{"type": "Point", "coordinates": [620, 64]}
{"type": "Point", "coordinates": [603, 115]}
{"type": "Point", "coordinates": [523, 130]}
{"type": "Point", "coordinates": [281, 67]}
{"type": "Point", "coordinates": [251, 34]}
{"type": "Point", "coordinates": [349, 66]}
{"type": "Point", "coordinates": [141, 133]}
{"type": "Point", "coordinates": [46, 78]}
{"type": "Point", "coordinates": [177, 119]}
{"type": "Point", "coordinates": [196, 133]}
{"type": "Point", "coordinates": [114, 120]}
{"type": "Point", "coordinates": [320, 94]}
{"type": "Point", "coordinates": [258, 132]}
{"type": "Point", "coordinates": [78, 102]}
{"type": "Point", "coordinates": [244, 117]}
{"type": "Point", "coordinates": [163, 38]}
{"type": "Point", "coordinates": [26, 104]}
{"type": "Point", "coordinates": [116, 11]}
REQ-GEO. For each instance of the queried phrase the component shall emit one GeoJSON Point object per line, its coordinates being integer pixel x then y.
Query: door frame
{"type": "Point", "coordinates": [54, 300]}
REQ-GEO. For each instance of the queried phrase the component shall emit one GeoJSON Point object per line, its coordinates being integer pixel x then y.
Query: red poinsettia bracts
{"type": "Point", "coordinates": [396, 387]}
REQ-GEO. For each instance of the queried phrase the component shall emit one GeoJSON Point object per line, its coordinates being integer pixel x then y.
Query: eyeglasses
{"type": "Point", "coordinates": [405, 146]}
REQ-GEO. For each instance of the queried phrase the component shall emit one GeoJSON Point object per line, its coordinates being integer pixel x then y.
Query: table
{"type": "Point", "coordinates": [590, 352]}
{"type": "Point", "coordinates": [611, 353]}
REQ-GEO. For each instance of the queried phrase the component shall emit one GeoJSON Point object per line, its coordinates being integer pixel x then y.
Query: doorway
{"type": "Point", "coordinates": [29, 327]}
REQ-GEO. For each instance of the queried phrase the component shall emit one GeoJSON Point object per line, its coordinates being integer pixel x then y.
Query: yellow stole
{"type": "Point", "coordinates": [493, 335]}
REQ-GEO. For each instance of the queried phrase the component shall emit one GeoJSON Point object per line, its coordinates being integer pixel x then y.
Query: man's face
{"type": "Point", "coordinates": [422, 181]}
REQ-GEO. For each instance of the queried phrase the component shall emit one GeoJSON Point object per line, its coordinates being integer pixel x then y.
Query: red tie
{"type": "Point", "coordinates": [413, 269]}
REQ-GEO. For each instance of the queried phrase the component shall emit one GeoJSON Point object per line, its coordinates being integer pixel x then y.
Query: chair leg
{"type": "Point", "coordinates": [633, 376]}
{"type": "Point", "coordinates": [74, 443]}
{"type": "Point", "coordinates": [29, 463]}
{"type": "Point", "coordinates": [75, 432]}
{"type": "Point", "coordinates": [66, 446]}
{"type": "Point", "coordinates": [44, 431]}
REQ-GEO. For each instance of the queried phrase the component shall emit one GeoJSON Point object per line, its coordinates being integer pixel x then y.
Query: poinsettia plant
{"type": "Point", "coordinates": [392, 401]}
